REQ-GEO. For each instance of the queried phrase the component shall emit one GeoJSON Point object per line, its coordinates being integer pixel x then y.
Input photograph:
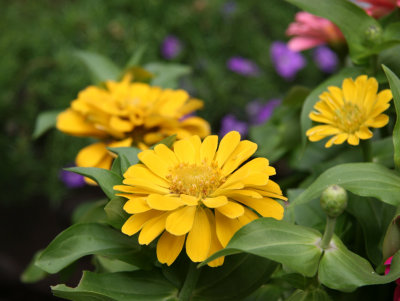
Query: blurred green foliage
{"type": "Point", "coordinates": [40, 72]}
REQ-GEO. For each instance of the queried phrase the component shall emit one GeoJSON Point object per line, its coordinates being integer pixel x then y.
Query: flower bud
{"type": "Point", "coordinates": [334, 200]}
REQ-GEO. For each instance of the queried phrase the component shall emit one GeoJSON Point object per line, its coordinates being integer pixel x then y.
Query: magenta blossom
{"type": "Point", "coordinates": [309, 31]}
{"type": "Point", "coordinates": [259, 112]}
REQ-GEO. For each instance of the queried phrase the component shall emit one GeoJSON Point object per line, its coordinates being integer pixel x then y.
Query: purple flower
{"type": "Point", "coordinates": [243, 66]}
{"type": "Point", "coordinates": [325, 59]}
{"type": "Point", "coordinates": [228, 8]}
{"type": "Point", "coordinates": [287, 62]}
{"type": "Point", "coordinates": [259, 112]}
{"type": "Point", "coordinates": [71, 179]}
{"type": "Point", "coordinates": [171, 47]}
{"type": "Point", "coordinates": [230, 123]}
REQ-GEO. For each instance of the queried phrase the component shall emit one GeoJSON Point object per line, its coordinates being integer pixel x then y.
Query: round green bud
{"type": "Point", "coordinates": [334, 200]}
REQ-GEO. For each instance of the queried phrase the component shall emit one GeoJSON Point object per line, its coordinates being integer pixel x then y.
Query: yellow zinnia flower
{"type": "Point", "coordinates": [198, 194]}
{"type": "Point", "coordinates": [125, 114]}
{"type": "Point", "coordinates": [348, 113]}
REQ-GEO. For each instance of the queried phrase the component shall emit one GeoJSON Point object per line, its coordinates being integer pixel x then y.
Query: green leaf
{"type": "Point", "coordinates": [391, 241]}
{"type": "Point", "coordinates": [100, 67]}
{"type": "Point", "coordinates": [44, 122]}
{"type": "Point", "coordinates": [345, 271]}
{"type": "Point", "coordinates": [128, 155]}
{"type": "Point", "coordinates": [392, 32]}
{"type": "Point", "coordinates": [296, 96]}
{"type": "Point", "coordinates": [105, 178]}
{"type": "Point", "coordinates": [394, 83]}
{"type": "Point", "coordinates": [270, 292]}
{"type": "Point", "coordinates": [32, 273]}
{"type": "Point", "coordinates": [166, 75]}
{"type": "Point", "coordinates": [361, 31]}
{"type": "Point", "coordinates": [314, 294]}
{"type": "Point", "coordinates": [122, 286]}
{"type": "Point", "coordinates": [374, 217]}
{"type": "Point", "coordinates": [109, 265]}
{"type": "Point", "coordinates": [115, 212]}
{"type": "Point", "coordinates": [313, 97]}
{"type": "Point", "coordinates": [169, 141]}
{"type": "Point", "coordinates": [382, 151]}
{"type": "Point", "coordinates": [238, 277]}
{"type": "Point", "coordinates": [364, 179]}
{"type": "Point", "coordinates": [278, 241]}
{"type": "Point", "coordinates": [87, 239]}
{"type": "Point", "coordinates": [136, 57]}
{"type": "Point", "coordinates": [90, 212]}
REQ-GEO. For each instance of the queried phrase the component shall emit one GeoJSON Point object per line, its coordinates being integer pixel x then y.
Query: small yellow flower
{"type": "Point", "coordinates": [198, 194]}
{"type": "Point", "coordinates": [125, 114]}
{"type": "Point", "coordinates": [348, 113]}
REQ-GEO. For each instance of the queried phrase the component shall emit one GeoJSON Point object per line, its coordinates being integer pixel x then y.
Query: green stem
{"type": "Point", "coordinates": [366, 149]}
{"type": "Point", "coordinates": [329, 230]}
{"type": "Point", "coordinates": [190, 282]}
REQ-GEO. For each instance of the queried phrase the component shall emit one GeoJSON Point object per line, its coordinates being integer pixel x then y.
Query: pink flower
{"type": "Point", "coordinates": [379, 8]}
{"type": "Point", "coordinates": [310, 31]}
{"type": "Point", "coordinates": [396, 295]}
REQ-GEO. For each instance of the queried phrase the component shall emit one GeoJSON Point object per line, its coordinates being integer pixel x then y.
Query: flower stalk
{"type": "Point", "coordinates": [329, 231]}
{"type": "Point", "coordinates": [190, 282]}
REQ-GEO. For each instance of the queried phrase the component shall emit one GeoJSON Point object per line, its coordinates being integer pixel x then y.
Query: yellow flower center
{"type": "Point", "coordinates": [196, 180]}
{"type": "Point", "coordinates": [349, 117]}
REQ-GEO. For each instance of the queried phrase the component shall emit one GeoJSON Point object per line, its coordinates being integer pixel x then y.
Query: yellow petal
{"type": "Point", "coordinates": [120, 125]}
{"type": "Point", "coordinates": [225, 228]}
{"type": "Point", "coordinates": [136, 221]}
{"type": "Point", "coordinates": [378, 122]}
{"type": "Point", "coordinates": [349, 89]}
{"type": "Point", "coordinates": [91, 155]}
{"type": "Point", "coordinates": [353, 140]}
{"type": "Point", "coordinates": [154, 163]}
{"type": "Point", "coordinates": [267, 207]}
{"type": "Point", "coordinates": [166, 154]}
{"type": "Point", "coordinates": [198, 241]}
{"type": "Point", "coordinates": [181, 221]}
{"type": "Point", "coordinates": [136, 205]}
{"type": "Point", "coordinates": [195, 126]}
{"type": "Point", "coordinates": [243, 151]}
{"type": "Point", "coordinates": [247, 217]}
{"type": "Point", "coordinates": [152, 229]}
{"type": "Point", "coordinates": [215, 202]}
{"type": "Point", "coordinates": [231, 210]}
{"type": "Point", "coordinates": [75, 124]}
{"type": "Point", "coordinates": [226, 147]}
{"type": "Point", "coordinates": [364, 133]}
{"type": "Point", "coordinates": [185, 151]}
{"type": "Point", "coordinates": [208, 148]}
{"type": "Point", "coordinates": [215, 244]}
{"type": "Point", "coordinates": [140, 171]}
{"type": "Point", "coordinates": [146, 185]}
{"type": "Point", "coordinates": [168, 247]}
{"type": "Point", "coordinates": [162, 202]}
{"type": "Point", "coordinates": [189, 200]}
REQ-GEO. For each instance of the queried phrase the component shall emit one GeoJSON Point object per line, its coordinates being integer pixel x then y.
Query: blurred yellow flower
{"type": "Point", "coordinates": [124, 114]}
{"type": "Point", "coordinates": [198, 194]}
{"type": "Point", "coordinates": [348, 113]}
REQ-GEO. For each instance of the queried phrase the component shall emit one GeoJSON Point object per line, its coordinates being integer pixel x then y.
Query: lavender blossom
{"type": "Point", "coordinates": [230, 123]}
{"type": "Point", "coordinates": [287, 62]}
{"type": "Point", "coordinates": [243, 66]}
{"type": "Point", "coordinates": [71, 179]}
{"type": "Point", "coordinates": [325, 59]}
{"type": "Point", "coordinates": [171, 47]}
{"type": "Point", "coordinates": [259, 112]}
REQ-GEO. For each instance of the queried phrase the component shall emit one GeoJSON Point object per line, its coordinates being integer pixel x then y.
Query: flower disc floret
{"type": "Point", "coordinates": [349, 112]}
{"type": "Point", "coordinates": [197, 195]}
